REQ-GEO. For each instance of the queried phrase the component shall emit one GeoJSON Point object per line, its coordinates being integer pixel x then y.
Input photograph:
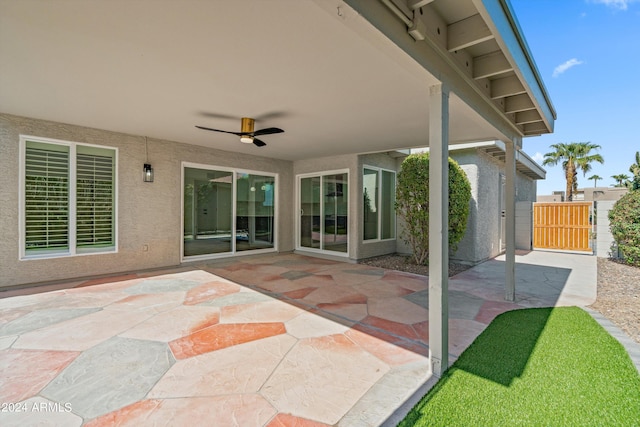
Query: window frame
{"type": "Point", "coordinates": [379, 198]}
{"type": "Point", "coordinates": [74, 249]}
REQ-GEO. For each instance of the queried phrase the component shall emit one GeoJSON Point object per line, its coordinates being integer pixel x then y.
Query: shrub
{"type": "Point", "coordinates": [412, 204]}
{"type": "Point", "coordinates": [625, 227]}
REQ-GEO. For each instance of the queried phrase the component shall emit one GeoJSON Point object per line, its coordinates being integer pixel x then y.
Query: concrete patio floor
{"type": "Point", "coordinates": [272, 340]}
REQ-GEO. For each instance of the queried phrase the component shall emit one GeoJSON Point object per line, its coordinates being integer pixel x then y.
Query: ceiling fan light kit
{"type": "Point", "coordinates": [247, 134]}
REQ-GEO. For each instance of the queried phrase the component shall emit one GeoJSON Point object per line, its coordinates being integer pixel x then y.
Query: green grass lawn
{"type": "Point", "coordinates": [536, 367]}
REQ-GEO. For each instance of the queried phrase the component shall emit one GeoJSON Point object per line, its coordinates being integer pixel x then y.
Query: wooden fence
{"type": "Point", "coordinates": [562, 226]}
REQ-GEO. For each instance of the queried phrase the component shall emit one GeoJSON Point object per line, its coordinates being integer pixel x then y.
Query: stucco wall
{"type": "Point", "coordinates": [482, 238]}
{"type": "Point", "coordinates": [524, 225]}
{"type": "Point", "coordinates": [604, 238]}
{"type": "Point", "coordinates": [148, 213]}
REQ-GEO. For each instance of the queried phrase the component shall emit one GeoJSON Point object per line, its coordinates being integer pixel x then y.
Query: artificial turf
{"type": "Point", "coordinates": [536, 367]}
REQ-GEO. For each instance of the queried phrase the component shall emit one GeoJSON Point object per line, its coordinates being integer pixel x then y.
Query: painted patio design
{"type": "Point", "coordinates": [275, 340]}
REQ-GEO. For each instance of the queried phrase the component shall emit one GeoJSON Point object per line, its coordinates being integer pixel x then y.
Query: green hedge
{"type": "Point", "coordinates": [412, 204]}
{"type": "Point", "coordinates": [625, 227]}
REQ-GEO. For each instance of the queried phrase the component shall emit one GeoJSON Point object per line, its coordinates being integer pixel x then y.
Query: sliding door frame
{"type": "Point", "coordinates": [234, 205]}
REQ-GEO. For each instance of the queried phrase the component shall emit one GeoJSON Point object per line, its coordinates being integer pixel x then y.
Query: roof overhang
{"type": "Point", "coordinates": [482, 42]}
{"type": "Point", "coordinates": [497, 149]}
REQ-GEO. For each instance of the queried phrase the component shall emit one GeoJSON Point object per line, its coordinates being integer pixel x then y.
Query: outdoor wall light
{"type": "Point", "coordinates": [147, 175]}
{"type": "Point", "coordinates": [147, 171]}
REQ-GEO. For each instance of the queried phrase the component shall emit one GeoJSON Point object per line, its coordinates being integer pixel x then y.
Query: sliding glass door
{"type": "Point", "coordinates": [323, 223]}
{"type": "Point", "coordinates": [226, 211]}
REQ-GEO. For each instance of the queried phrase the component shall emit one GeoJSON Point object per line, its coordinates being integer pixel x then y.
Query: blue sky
{"type": "Point", "coordinates": [588, 54]}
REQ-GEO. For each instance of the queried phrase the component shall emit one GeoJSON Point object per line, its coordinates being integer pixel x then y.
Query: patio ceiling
{"type": "Point", "coordinates": [335, 77]}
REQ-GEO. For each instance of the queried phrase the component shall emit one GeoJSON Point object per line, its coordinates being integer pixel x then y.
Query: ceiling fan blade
{"type": "Point", "coordinates": [212, 115]}
{"type": "Point", "coordinates": [271, 115]}
{"type": "Point", "coordinates": [268, 131]}
{"type": "Point", "coordinates": [218, 130]}
{"type": "Point", "coordinates": [258, 143]}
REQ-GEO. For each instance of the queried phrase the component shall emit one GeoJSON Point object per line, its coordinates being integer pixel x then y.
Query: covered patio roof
{"type": "Point", "coordinates": [338, 77]}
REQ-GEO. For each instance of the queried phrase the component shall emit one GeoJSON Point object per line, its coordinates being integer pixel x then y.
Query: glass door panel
{"type": "Point", "coordinates": [335, 212]}
{"type": "Point", "coordinates": [388, 205]}
{"type": "Point", "coordinates": [208, 201]}
{"type": "Point", "coordinates": [310, 230]}
{"type": "Point", "coordinates": [254, 211]}
{"type": "Point", "coordinates": [370, 203]}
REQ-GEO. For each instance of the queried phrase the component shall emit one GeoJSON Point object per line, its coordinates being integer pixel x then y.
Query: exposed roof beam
{"type": "Point", "coordinates": [506, 86]}
{"type": "Point", "coordinates": [529, 116]}
{"type": "Point", "coordinates": [535, 128]}
{"type": "Point", "coordinates": [468, 32]}
{"type": "Point", "coordinates": [489, 65]}
{"type": "Point", "coordinates": [518, 103]}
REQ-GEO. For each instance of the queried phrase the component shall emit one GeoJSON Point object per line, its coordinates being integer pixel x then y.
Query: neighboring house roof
{"type": "Point", "coordinates": [588, 194]}
{"type": "Point", "coordinates": [337, 77]}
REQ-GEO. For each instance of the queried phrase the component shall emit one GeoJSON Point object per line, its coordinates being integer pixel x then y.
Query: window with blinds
{"type": "Point", "coordinates": [68, 183]}
{"type": "Point", "coordinates": [46, 198]}
{"type": "Point", "coordinates": [94, 197]}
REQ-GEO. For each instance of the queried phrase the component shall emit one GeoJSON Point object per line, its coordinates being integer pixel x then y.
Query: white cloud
{"type": "Point", "coordinates": [615, 4]}
{"type": "Point", "coordinates": [565, 66]}
{"type": "Point", "coordinates": [538, 157]}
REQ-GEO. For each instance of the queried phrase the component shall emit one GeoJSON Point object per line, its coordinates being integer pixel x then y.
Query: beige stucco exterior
{"type": "Point", "coordinates": [148, 213]}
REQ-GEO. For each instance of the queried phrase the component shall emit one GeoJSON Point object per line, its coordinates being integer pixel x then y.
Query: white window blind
{"type": "Point", "coordinates": [46, 198]}
{"type": "Point", "coordinates": [94, 197]}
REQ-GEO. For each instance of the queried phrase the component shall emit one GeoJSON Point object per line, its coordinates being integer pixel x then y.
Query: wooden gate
{"type": "Point", "coordinates": [562, 226]}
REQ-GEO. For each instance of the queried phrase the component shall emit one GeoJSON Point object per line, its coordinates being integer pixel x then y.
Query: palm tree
{"type": "Point", "coordinates": [621, 178]}
{"type": "Point", "coordinates": [574, 156]}
{"type": "Point", "coordinates": [595, 179]}
{"type": "Point", "coordinates": [635, 170]}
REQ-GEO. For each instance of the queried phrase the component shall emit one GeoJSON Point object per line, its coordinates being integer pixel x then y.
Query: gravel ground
{"type": "Point", "coordinates": [619, 295]}
{"type": "Point", "coordinates": [407, 264]}
{"type": "Point", "coordinates": [618, 288]}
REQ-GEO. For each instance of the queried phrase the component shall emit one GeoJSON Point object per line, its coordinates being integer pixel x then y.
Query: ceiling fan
{"type": "Point", "coordinates": [247, 134]}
